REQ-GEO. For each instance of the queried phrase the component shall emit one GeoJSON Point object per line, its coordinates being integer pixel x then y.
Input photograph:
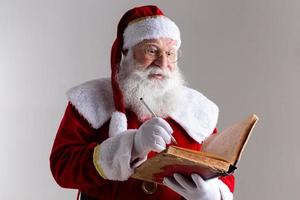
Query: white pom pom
{"type": "Point", "coordinates": [118, 123]}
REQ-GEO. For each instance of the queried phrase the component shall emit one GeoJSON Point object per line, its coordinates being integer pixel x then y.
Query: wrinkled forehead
{"type": "Point", "coordinates": [165, 43]}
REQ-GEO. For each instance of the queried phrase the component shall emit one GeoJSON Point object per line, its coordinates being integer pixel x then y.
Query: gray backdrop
{"type": "Point", "coordinates": [244, 55]}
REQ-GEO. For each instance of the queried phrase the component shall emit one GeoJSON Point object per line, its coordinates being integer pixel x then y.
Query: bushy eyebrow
{"type": "Point", "coordinates": [151, 43]}
{"type": "Point", "coordinates": [173, 47]}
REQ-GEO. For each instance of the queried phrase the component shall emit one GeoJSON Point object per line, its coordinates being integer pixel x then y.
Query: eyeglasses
{"type": "Point", "coordinates": [153, 52]}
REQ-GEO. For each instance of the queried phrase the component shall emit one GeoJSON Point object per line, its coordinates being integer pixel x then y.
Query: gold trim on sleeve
{"type": "Point", "coordinates": [96, 157]}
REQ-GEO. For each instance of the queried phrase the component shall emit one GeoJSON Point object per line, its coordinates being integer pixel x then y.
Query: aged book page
{"type": "Point", "coordinates": [230, 143]}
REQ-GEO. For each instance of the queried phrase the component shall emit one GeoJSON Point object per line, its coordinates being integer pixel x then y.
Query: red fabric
{"type": "Point", "coordinates": [71, 160]}
{"type": "Point", "coordinates": [229, 181]}
{"type": "Point", "coordinates": [116, 50]}
{"type": "Point", "coordinates": [115, 63]}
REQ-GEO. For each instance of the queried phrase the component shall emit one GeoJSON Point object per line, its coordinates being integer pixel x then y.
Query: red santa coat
{"type": "Point", "coordinates": [86, 124]}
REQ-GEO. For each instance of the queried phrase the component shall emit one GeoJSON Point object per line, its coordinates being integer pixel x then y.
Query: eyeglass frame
{"type": "Point", "coordinates": [155, 57]}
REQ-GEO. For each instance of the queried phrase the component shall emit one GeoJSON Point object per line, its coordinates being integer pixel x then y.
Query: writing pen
{"type": "Point", "coordinates": [154, 115]}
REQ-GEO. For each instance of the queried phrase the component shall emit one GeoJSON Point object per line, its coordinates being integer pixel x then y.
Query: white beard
{"type": "Point", "coordinates": [162, 96]}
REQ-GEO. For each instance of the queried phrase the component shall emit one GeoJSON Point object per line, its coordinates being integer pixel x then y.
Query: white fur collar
{"type": "Point", "coordinates": [94, 101]}
{"type": "Point", "coordinates": [198, 115]}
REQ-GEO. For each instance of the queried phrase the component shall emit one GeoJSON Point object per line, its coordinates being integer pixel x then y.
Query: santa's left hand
{"type": "Point", "coordinates": [195, 188]}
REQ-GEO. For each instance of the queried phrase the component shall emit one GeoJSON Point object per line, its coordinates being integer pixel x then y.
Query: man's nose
{"type": "Point", "coordinates": [162, 61]}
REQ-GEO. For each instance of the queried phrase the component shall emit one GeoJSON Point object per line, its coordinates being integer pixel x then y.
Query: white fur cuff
{"type": "Point", "coordinates": [112, 160]}
{"type": "Point", "coordinates": [118, 123]}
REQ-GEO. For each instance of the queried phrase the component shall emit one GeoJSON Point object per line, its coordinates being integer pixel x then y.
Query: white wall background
{"type": "Point", "coordinates": [244, 55]}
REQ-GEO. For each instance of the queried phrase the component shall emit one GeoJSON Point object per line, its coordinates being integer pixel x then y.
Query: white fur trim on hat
{"type": "Point", "coordinates": [150, 28]}
{"type": "Point", "coordinates": [118, 123]}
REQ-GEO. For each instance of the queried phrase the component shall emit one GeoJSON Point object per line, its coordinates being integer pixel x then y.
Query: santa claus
{"type": "Point", "coordinates": [106, 131]}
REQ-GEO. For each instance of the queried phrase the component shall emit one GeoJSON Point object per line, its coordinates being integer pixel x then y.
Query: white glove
{"type": "Point", "coordinates": [195, 189]}
{"type": "Point", "coordinates": [153, 135]}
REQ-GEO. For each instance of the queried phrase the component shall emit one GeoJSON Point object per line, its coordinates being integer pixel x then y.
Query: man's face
{"type": "Point", "coordinates": [149, 70]}
{"type": "Point", "coordinates": [156, 53]}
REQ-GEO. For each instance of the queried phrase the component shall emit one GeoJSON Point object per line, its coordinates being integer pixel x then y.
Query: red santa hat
{"type": "Point", "coordinates": [137, 24]}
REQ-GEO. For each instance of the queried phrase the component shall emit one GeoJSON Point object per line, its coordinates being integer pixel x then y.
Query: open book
{"type": "Point", "coordinates": [219, 155]}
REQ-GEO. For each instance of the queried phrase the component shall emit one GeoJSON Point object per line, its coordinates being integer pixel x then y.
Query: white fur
{"type": "Point", "coordinates": [226, 194]}
{"type": "Point", "coordinates": [94, 101]}
{"type": "Point", "coordinates": [115, 156]}
{"type": "Point", "coordinates": [198, 115]}
{"type": "Point", "coordinates": [150, 28]}
{"type": "Point", "coordinates": [118, 123]}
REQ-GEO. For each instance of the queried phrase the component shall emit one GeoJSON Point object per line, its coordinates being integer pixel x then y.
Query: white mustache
{"type": "Point", "coordinates": [156, 70]}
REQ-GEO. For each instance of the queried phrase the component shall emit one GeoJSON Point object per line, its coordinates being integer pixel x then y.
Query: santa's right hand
{"type": "Point", "coordinates": [153, 135]}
